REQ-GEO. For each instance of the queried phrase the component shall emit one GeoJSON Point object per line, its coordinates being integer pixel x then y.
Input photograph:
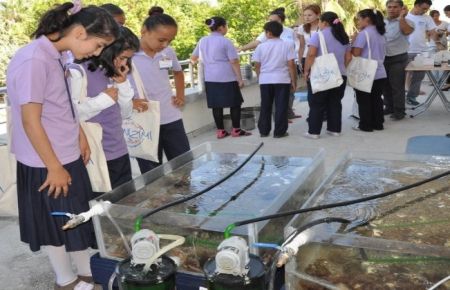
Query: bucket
{"type": "Point", "coordinates": [246, 72]}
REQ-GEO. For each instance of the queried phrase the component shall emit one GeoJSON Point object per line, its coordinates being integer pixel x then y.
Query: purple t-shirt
{"type": "Point", "coordinates": [110, 119]}
{"type": "Point", "coordinates": [156, 81]}
{"type": "Point", "coordinates": [216, 52]}
{"type": "Point", "coordinates": [35, 75]}
{"type": "Point", "coordinates": [377, 46]}
{"type": "Point", "coordinates": [333, 46]}
{"type": "Point", "coordinates": [274, 55]}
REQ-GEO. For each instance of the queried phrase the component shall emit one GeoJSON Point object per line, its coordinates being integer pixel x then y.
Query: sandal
{"type": "Point", "coordinates": [238, 132]}
{"type": "Point", "coordinates": [221, 133]}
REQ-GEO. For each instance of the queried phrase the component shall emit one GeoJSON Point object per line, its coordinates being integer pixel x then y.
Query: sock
{"type": "Point", "coordinates": [61, 264]}
{"type": "Point", "coordinates": [82, 261]}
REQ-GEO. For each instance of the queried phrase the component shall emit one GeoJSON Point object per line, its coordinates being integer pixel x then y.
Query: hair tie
{"type": "Point", "coordinates": [212, 23]}
{"type": "Point", "coordinates": [336, 21]}
{"type": "Point", "coordinates": [374, 11]}
{"type": "Point", "coordinates": [77, 5]}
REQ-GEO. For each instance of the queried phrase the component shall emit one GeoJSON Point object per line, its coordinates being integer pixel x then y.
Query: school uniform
{"type": "Point", "coordinates": [100, 108]}
{"type": "Point", "coordinates": [307, 37]}
{"type": "Point", "coordinates": [154, 72]}
{"type": "Point", "coordinates": [288, 35]}
{"type": "Point", "coordinates": [275, 84]}
{"type": "Point", "coordinates": [370, 105]}
{"type": "Point", "coordinates": [221, 85]}
{"type": "Point", "coordinates": [36, 75]}
{"type": "Point", "coordinates": [327, 102]}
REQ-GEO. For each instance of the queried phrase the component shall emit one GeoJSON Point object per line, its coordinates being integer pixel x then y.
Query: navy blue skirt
{"type": "Point", "coordinates": [223, 95]}
{"type": "Point", "coordinates": [39, 228]}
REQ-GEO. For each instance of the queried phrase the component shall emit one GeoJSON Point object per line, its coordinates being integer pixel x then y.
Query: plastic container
{"type": "Point", "coordinates": [399, 242]}
{"type": "Point", "coordinates": [269, 183]}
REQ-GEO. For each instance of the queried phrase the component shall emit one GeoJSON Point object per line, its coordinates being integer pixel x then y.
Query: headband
{"type": "Point", "coordinates": [77, 5]}
{"type": "Point", "coordinates": [212, 23]}
{"type": "Point", "coordinates": [336, 21]}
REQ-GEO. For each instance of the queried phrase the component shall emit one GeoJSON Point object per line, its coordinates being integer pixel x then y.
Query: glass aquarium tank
{"type": "Point", "coordinates": [272, 181]}
{"type": "Point", "coordinates": [401, 241]}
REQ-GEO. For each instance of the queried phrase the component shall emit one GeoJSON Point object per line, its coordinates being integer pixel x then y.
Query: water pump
{"type": "Point", "coordinates": [232, 257]}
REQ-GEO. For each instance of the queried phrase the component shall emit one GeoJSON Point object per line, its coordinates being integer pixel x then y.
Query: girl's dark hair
{"type": "Point", "coordinates": [155, 10]}
{"type": "Point", "coordinates": [434, 12]}
{"type": "Point", "coordinates": [337, 29]}
{"type": "Point", "coordinates": [314, 8]}
{"type": "Point", "coordinates": [127, 40]}
{"type": "Point", "coordinates": [376, 18]}
{"type": "Point", "coordinates": [280, 13]}
{"type": "Point", "coordinates": [97, 22]}
{"type": "Point", "coordinates": [157, 17]}
{"type": "Point", "coordinates": [113, 9]}
{"type": "Point", "coordinates": [215, 22]}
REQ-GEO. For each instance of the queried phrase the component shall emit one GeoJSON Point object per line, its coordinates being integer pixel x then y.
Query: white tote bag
{"type": "Point", "coordinates": [325, 73]}
{"type": "Point", "coordinates": [361, 71]}
{"type": "Point", "coordinates": [141, 130]}
{"type": "Point", "coordinates": [97, 166]}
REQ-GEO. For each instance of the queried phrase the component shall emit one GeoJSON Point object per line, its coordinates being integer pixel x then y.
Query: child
{"type": "Point", "coordinates": [47, 140]}
{"type": "Point", "coordinates": [109, 105]}
{"type": "Point", "coordinates": [153, 63]}
{"type": "Point", "coordinates": [329, 101]}
{"type": "Point", "coordinates": [275, 68]}
{"type": "Point", "coordinates": [370, 105]}
{"type": "Point", "coordinates": [223, 78]}
{"type": "Point", "coordinates": [116, 12]}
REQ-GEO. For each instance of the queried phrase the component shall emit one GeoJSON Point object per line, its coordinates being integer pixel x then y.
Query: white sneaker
{"type": "Point", "coordinates": [311, 136]}
{"type": "Point", "coordinates": [335, 134]}
{"type": "Point", "coordinates": [356, 128]}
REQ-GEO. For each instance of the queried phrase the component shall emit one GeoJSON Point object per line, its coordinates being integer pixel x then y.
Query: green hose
{"type": "Point", "coordinates": [228, 229]}
{"type": "Point", "coordinates": [138, 224]}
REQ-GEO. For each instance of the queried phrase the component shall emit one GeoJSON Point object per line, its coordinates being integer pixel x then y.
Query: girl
{"type": "Point", "coordinates": [370, 105]}
{"type": "Point", "coordinates": [329, 101]}
{"type": "Point", "coordinates": [109, 105]}
{"type": "Point", "coordinates": [116, 12]}
{"type": "Point", "coordinates": [153, 63]}
{"type": "Point", "coordinates": [47, 140]}
{"type": "Point", "coordinates": [311, 15]}
{"type": "Point", "coordinates": [223, 78]}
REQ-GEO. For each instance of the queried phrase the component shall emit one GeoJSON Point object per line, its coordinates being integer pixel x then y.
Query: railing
{"type": "Point", "coordinates": [2, 106]}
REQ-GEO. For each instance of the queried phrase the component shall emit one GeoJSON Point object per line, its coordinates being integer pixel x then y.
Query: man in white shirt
{"type": "Point", "coordinates": [423, 25]}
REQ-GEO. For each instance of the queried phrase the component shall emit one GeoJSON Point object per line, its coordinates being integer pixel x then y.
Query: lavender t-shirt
{"type": "Point", "coordinates": [110, 119]}
{"type": "Point", "coordinates": [35, 75]}
{"type": "Point", "coordinates": [377, 46]}
{"type": "Point", "coordinates": [333, 46]}
{"type": "Point", "coordinates": [274, 54]}
{"type": "Point", "coordinates": [216, 52]}
{"type": "Point", "coordinates": [156, 81]}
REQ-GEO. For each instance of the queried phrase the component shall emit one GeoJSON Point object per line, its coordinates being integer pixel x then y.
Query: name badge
{"type": "Point", "coordinates": [165, 64]}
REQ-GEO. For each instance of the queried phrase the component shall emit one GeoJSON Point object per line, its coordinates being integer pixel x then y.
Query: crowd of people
{"type": "Point", "coordinates": [84, 65]}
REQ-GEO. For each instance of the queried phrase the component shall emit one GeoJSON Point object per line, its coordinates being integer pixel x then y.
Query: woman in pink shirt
{"type": "Point", "coordinates": [49, 145]}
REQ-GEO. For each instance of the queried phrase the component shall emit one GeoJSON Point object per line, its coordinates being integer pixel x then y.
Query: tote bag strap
{"type": "Point", "coordinates": [138, 81]}
{"type": "Point", "coordinates": [368, 44]}
{"type": "Point", "coordinates": [323, 46]}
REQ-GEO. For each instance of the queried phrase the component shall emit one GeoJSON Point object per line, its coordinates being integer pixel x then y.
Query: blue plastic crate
{"type": "Point", "coordinates": [102, 269]}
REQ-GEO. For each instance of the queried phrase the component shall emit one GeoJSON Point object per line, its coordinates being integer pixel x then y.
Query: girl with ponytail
{"type": "Point", "coordinates": [223, 78]}
{"type": "Point", "coordinates": [370, 105]}
{"type": "Point", "coordinates": [327, 102]}
{"type": "Point", "coordinates": [50, 148]}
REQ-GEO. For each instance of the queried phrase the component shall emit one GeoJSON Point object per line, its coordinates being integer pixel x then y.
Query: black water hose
{"type": "Point", "coordinates": [138, 222]}
{"type": "Point", "coordinates": [230, 227]}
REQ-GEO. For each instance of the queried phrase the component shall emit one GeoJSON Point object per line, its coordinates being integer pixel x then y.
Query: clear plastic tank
{"type": "Point", "coordinates": [397, 242]}
{"type": "Point", "coordinates": [269, 183]}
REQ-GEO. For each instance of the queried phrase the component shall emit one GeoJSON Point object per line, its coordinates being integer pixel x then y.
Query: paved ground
{"type": "Point", "coordinates": [22, 269]}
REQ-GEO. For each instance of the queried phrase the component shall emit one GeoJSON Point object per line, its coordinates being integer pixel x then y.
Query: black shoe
{"type": "Point", "coordinates": [281, 136]}
{"type": "Point", "coordinates": [378, 128]}
{"type": "Point", "coordinates": [263, 135]}
{"type": "Point", "coordinates": [397, 117]}
{"type": "Point", "coordinates": [388, 112]}
{"type": "Point", "coordinates": [412, 102]}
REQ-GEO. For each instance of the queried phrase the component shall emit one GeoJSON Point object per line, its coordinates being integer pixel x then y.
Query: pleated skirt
{"type": "Point", "coordinates": [223, 95]}
{"type": "Point", "coordinates": [37, 226]}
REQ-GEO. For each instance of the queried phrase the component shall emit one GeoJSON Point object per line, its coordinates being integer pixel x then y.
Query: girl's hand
{"type": "Point", "coordinates": [58, 181]}
{"type": "Point", "coordinates": [241, 83]}
{"type": "Point", "coordinates": [178, 101]}
{"type": "Point", "coordinates": [122, 71]}
{"type": "Point", "coordinates": [306, 75]}
{"type": "Point", "coordinates": [293, 86]}
{"type": "Point", "coordinates": [140, 105]}
{"type": "Point", "coordinates": [84, 148]}
{"type": "Point", "coordinates": [113, 93]}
